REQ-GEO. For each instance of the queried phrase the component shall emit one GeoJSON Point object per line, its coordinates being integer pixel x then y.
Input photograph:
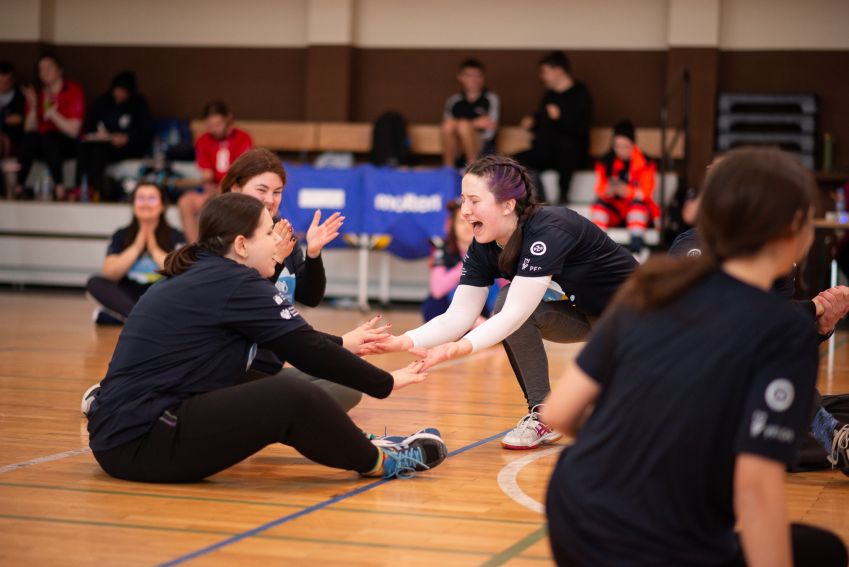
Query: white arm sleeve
{"type": "Point", "coordinates": [466, 305]}
{"type": "Point", "coordinates": [522, 298]}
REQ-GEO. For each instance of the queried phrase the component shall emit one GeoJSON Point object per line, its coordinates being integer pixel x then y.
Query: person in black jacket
{"type": "Point", "coordinates": [119, 126]}
{"type": "Point", "coordinates": [12, 110]}
{"type": "Point", "coordinates": [174, 406]}
{"type": "Point", "coordinates": [561, 123]}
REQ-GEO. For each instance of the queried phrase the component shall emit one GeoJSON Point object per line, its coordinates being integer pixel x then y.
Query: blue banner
{"type": "Point", "coordinates": [408, 205]}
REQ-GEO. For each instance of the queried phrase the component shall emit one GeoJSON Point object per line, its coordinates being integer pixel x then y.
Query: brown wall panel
{"type": "Point", "coordinates": [178, 81]}
{"type": "Point", "coordinates": [416, 82]}
{"type": "Point", "coordinates": [22, 55]}
{"type": "Point", "coordinates": [820, 72]}
{"type": "Point", "coordinates": [328, 83]}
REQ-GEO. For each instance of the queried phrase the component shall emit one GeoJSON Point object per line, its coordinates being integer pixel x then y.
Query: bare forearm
{"type": "Point", "coordinates": [68, 126]}
{"type": "Point", "coordinates": [761, 512]}
{"type": "Point", "coordinates": [116, 266]}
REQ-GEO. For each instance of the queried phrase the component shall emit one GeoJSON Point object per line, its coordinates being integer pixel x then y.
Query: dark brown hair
{"type": "Point", "coordinates": [508, 180]}
{"type": "Point", "coordinates": [163, 231]}
{"type": "Point", "coordinates": [250, 164]}
{"type": "Point", "coordinates": [753, 196]}
{"type": "Point", "coordinates": [222, 219]}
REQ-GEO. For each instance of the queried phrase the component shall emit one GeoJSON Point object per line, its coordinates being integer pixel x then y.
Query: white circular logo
{"type": "Point", "coordinates": [779, 394]}
{"type": "Point", "coordinates": [694, 252]}
{"type": "Point", "coordinates": [538, 248]}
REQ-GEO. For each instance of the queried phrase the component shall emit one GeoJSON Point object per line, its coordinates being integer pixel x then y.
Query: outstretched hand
{"type": "Point", "coordinates": [446, 351]}
{"type": "Point", "coordinates": [320, 235]}
{"type": "Point", "coordinates": [392, 343]}
{"type": "Point", "coordinates": [832, 305]}
{"type": "Point", "coordinates": [410, 374]}
{"type": "Point", "coordinates": [361, 340]}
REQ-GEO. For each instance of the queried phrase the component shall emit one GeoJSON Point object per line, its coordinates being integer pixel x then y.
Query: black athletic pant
{"type": "Point", "coordinates": [556, 154]}
{"type": "Point", "coordinates": [93, 159]}
{"type": "Point", "coordinates": [213, 431]}
{"type": "Point", "coordinates": [118, 297]}
{"type": "Point", "coordinates": [53, 147]}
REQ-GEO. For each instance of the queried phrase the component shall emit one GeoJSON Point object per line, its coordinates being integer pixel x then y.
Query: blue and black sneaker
{"type": "Point", "coordinates": [396, 439]}
{"type": "Point", "coordinates": [416, 453]}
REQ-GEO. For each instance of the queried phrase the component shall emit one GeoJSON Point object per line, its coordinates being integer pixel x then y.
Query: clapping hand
{"type": "Point", "coordinates": [286, 244]}
{"type": "Point", "coordinates": [319, 235]}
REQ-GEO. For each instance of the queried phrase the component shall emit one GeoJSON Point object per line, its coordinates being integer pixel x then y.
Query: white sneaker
{"type": "Point", "coordinates": [88, 398]}
{"type": "Point", "coordinates": [530, 433]}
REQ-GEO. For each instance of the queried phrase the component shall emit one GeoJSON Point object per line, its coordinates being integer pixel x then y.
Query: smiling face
{"type": "Point", "coordinates": [147, 204]}
{"type": "Point", "coordinates": [489, 220]}
{"type": "Point", "coordinates": [267, 187]}
{"type": "Point", "coordinates": [49, 71]}
{"type": "Point", "coordinates": [257, 251]}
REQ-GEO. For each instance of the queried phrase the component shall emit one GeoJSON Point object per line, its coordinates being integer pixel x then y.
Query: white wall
{"type": "Point", "coordinates": [20, 20]}
{"type": "Point", "coordinates": [508, 24]}
{"type": "Point", "coordinates": [784, 24]}
{"type": "Point", "coordinates": [249, 23]}
{"type": "Point", "coordinates": [494, 24]}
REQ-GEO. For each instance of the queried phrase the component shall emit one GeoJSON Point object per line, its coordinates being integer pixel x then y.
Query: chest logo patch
{"type": "Point", "coordinates": [538, 248]}
{"type": "Point", "coordinates": [780, 394]}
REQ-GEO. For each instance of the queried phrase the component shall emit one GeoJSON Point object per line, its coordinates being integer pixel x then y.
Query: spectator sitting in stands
{"type": "Point", "coordinates": [215, 151]}
{"type": "Point", "coordinates": [561, 124]}
{"type": "Point", "coordinates": [12, 109]}
{"type": "Point", "coordinates": [135, 256]}
{"type": "Point", "coordinates": [470, 119]}
{"type": "Point", "coordinates": [625, 187]}
{"type": "Point", "coordinates": [52, 124]}
{"type": "Point", "coordinates": [446, 265]}
{"type": "Point", "coordinates": [118, 127]}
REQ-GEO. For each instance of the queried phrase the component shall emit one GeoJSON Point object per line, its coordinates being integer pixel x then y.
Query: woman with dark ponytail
{"type": "Point", "coordinates": [563, 271]}
{"type": "Point", "coordinates": [699, 383]}
{"type": "Point", "coordinates": [174, 405]}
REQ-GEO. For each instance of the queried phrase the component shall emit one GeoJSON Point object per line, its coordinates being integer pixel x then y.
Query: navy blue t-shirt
{"type": "Point", "coordinates": [586, 266]}
{"type": "Point", "coordinates": [189, 334]}
{"type": "Point", "coordinates": [725, 369]}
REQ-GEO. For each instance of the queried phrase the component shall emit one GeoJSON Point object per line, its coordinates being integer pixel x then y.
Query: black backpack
{"type": "Point", "coordinates": [389, 142]}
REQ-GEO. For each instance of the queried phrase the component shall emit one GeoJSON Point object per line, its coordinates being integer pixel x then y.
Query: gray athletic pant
{"type": "Point", "coordinates": [556, 321]}
{"type": "Point", "coordinates": [343, 395]}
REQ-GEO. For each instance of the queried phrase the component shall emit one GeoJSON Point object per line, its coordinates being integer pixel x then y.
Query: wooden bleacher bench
{"type": "Point", "coordinates": [425, 139]}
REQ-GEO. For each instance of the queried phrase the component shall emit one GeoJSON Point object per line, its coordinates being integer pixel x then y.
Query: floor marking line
{"type": "Point", "coordinates": [507, 479]}
{"type": "Point", "coordinates": [315, 507]}
{"type": "Point", "coordinates": [44, 459]}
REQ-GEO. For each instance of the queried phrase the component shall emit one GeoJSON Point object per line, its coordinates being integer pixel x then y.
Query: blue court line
{"type": "Point", "coordinates": [309, 510]}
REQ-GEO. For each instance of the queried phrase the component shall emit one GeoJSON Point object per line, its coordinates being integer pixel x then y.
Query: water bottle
{"type": "Point", "coordinates": [840, 205]}
{"type": "Point", "coordinates": [84, 194]}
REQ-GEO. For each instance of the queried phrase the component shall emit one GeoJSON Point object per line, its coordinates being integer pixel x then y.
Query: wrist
{"type": "Point", "coordinates": [464, 347]}
{"type": "Point", "coordinates": [313, 253]}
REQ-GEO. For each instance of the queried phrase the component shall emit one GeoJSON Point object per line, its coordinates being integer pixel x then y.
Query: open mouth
{"type": "Point", "coordinates": [476, 226]}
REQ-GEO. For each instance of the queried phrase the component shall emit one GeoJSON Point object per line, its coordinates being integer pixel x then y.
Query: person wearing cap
{"type": "Point", "coordinates": [625, 187]}
{"type": "Point", "coordinates": [118, 127]}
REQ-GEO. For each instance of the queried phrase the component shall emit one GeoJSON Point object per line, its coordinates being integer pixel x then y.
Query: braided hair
{"type": "Point", "coordinates": [508, 180]}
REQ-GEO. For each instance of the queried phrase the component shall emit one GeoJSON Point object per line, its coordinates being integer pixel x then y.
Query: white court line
{"type": "Point", "coordinates": [45, 459]}
{"type": "Point", "coordinates": [508, 484]}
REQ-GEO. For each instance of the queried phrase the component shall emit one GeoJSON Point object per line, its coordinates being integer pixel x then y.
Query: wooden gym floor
{"type": "Point", "coordinates": [481, 507]}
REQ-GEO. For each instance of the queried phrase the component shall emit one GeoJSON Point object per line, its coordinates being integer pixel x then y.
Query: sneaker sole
{"type": "Point", "coordinates": [407, 440]}
{"type": "Point", "coordinates": [547, 440]}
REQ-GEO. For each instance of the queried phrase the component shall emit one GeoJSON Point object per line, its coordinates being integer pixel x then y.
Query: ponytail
{"type": "Point", "coordinates": [179, 260]}
{"type": "Point", "coordinates": [661, 280]}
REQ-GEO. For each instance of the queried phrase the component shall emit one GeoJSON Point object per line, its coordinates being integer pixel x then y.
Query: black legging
{"type": "Point", "coordinates": [119, 297]}
{"type": "Point", "coordinates": [54, 147]}
{"type": "Point", "coordinates": [213, 431]}
{"type": "Point", "coordinates": [93, 159]}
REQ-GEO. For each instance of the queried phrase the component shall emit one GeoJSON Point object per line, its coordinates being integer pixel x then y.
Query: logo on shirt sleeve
{"type": "Point", "coordinates": [525, 263]}
{"type": "Point", "coordinates": [780, 394]}
{"type": "Point", "coordinates": [278, 299]}
{"type": "Point", "coordinates": [538, 248]}
{"type": "Point", "coordinates": [694, 252]}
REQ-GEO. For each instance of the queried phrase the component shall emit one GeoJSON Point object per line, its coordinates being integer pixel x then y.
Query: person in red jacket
{"type": "Point", "coordinates": [52, 122]}
{"type": "Point", "coordinates": [214, 152]}
{"type": "Point", "coordinates": [625, 187]}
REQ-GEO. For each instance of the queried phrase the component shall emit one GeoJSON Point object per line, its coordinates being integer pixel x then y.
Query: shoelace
{"type": "Point", "coordinates": [525, 422]}
{"type": "Point", "coordinates": [838, 444]}
{"type": "Point", "coordinates": [406, 462]}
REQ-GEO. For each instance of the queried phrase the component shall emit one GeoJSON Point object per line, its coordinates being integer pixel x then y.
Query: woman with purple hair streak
{"type": "Point", "coordinates": [563, 271]}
